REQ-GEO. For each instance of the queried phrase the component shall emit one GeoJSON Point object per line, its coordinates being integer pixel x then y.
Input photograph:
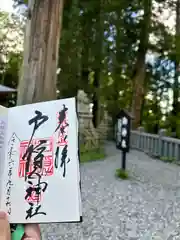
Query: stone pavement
{"type": "Point", "coordinates": [147, 206]}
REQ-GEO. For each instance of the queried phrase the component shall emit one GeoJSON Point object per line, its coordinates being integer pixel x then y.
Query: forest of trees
{"type": "Point", "coordinates": [123, 54]}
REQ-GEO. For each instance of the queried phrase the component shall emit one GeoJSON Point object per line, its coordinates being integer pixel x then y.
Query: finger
{"type": "Point", "coordinates": [32, 231]}
{"type": "Point", "coordinates": [5, 233]}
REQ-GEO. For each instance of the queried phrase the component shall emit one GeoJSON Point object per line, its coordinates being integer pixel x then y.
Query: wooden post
{"type": "Point", "coordinates": [162, 133]}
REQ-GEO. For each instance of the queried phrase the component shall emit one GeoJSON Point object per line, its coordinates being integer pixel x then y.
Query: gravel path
{"type": "Point", "coordinates": [145, 207]}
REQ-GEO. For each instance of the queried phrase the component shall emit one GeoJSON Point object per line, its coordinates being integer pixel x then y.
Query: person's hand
{"type": "Point", "coordinates": [5, 233]}
{"type": "Point", "coordinates": [31, 231]}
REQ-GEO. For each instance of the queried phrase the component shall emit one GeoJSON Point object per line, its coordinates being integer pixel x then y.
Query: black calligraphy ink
{"type": "Point", "coordinates": [38, 120]}
{"type": "Point", "coordinates": [63, 160]}
{"type": "Point", "coordinates": [56, 161]}
{"type": "Point", "coordinates": [33, 211]}
{"type": "Point", "coordinates": [12, 151]}
{"type": "Point", "coordinates": [38, 188]}
{"type": "Point", "coordinates": [38, 159]}
{"type": "Point", "coordinates": [35, 155]}
{"type": "Point", "coordinates": [62, 127]}
{"type": "Point", "coordinates": [13, 138]}
{"type": "Point", "coordinates": [62, 116]}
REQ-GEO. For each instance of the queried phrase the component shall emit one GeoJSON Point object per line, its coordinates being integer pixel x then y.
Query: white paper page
{"type": "Point", "coordinates": [59, 189]}
{"type": "Point", "coordinates": [78, 169]}
{"type": "Point", "coordinates": [3, 130]}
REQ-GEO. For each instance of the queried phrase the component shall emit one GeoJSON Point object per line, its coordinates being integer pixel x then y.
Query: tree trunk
{"type": "Point", "coordinates": [140, 67]}
{"type": "Point", "coordinates": [96, 100]}
{"type": "Point", "coordinates": [142, 110]}
{"type": "Point", "coordinates": [41, 48]}
{"type": "Point", "coordinates": [176, 87]}
{"type": "Point", "coordinates": [85, 65]}
{"type": "Point", "coordinates": [97, 67]}
{"type": "Point", "coordinates": [156, 110]}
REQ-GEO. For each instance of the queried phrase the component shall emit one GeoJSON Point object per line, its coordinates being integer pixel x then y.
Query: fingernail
{"type": "Point", "coordinates": [2, 215]}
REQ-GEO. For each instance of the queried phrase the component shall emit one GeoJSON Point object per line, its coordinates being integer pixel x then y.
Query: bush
{"type": "Point", "coordinates": [166, 159]}
{"type": "Point", "coordinates": [123, 174]}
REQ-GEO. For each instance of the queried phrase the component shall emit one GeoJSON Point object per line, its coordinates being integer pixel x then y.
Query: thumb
{"type": "Point", "coordinates": [4, 227]}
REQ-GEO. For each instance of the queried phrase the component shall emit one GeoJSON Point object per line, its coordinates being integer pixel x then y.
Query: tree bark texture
{"type": "Point", "coordinates": [176, 86]}
{"type": "Point", "coordinates": [41, 48]}
{"type": "Point", "coordinates": [98, 66]}
{"type": "Point", "coordinates": [140, 66]}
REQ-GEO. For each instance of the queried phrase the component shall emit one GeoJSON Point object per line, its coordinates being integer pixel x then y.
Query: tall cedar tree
{"type": "Point", "coordinates": [176, 89]}
{"type": "Point", "coordinates": [38, 75]}
{"type": "Point", "coordinates": [138, 77]}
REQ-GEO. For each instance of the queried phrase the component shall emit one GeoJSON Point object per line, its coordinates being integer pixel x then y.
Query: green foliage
{"type": "Point", "coordinates": [11, 38]}
{"type": "Point", "coordinates": [119, 54]}
{"type": "Point", "coordinates": [166, 159]}
{"type": "Point", "coordinates": [18, 3]}
{"type": "Point", "coordinates": [104, 36]}
{"type": "Point", "coordinates": [120, 173]}
{"type": "Point", "coordinates": [93, 155]}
